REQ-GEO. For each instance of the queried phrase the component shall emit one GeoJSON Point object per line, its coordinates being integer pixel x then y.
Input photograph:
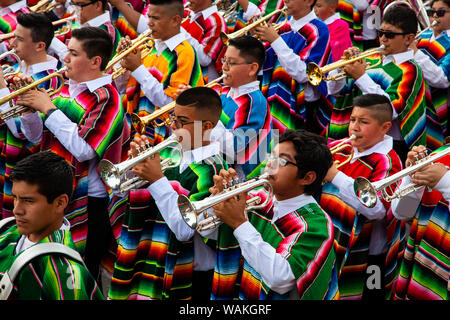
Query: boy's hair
{"type": "Point", "coordinates": [173, 7]}
{"type": "Point", "coordinates": [40, 26]}
{"type": "Point", "coordinates": [95, 42]}
{"type": "Point", "coordinates": [206, 101]}
{"type": "Point", "coordinates": [49, 171]}
{"type": "Point", "coordinates": [402, 17]}
{"type": "Point", "coordinates": [447, 2]}
{"type": "Point", "coordinates": [312, 154]}
{"type": "Point", "coordinates": [379, 106]}
{"type": "Point", "coordinates": [251, 49]}
{"type": "Point", "coordinates": [332, 2]}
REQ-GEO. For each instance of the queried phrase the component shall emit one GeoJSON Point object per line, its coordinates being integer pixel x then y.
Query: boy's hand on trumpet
{"type": "Point", "coordinates": [132, 60]}
{"type": "Point", "coordinates": [37, 99]}
{"type": "Point", "coordinates": [150, 168]}
{"type": "Point", "coordinates": [265, 33]}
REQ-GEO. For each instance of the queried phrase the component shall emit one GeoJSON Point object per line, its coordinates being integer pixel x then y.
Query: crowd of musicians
{"type": "Point", "coordinates": [262, 149]}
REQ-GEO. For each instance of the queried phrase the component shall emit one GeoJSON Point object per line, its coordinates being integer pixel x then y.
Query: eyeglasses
{"type": "Point", "coordinates": [231, 64]}
{"type": "Point", "coordinates": [178, 123]}
{"type": "Point", "coordinates": [280, 161]}
{"type": "Point", "coordinates": [440, 13]}
{"type": "Point", "coordinates": [82, 5]}
{"type": "Point", "coordinates": [390, 34]}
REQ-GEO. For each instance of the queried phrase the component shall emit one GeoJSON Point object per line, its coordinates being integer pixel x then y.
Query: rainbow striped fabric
{"type": "Point", "coordinates": [101, 123]}
{"type": "Point", "coordinates": [14, 149]}
{"type": "Point", "coordinates": [439, 52]}
{"type": "Point", "coordinates": [207, 33]}
{"type": "Point", "coordinates": [171, 68]}
{"type": "Point", "coordinates": [406, 88]}
{"type": "Point", "coordinates": [352, 230]}
{"type": "Point", "coordinates": [8, 22]}
{"type": "Point", "coordinates": [303, 237]}
{"type": "Point", "coordinates": [425, 269]}
{"type": "Point", "coordinates": [151, 263]}
{"type": "Point", "coordinates": [48, 277]}
{"type": "Point", "coordinates": [286, 97]}
{"type": "Point", "coordinates": [249, 114]}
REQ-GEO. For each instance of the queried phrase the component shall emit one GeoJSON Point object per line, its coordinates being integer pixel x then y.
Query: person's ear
{"type": "Point", "coordinates": [61, 202]}
{"type": "Point", "coordinates": [386, 126]}
{"type": "Point", "coordinates": [208, 125]}
{"type": "Point", "coordinates": [40, 46]}
{"type": "Point", "coordinates": [96, 62]}
{"type": "Point", "coordinates": [308, 178]}
{"type": "Point", "coordinates": [254, 67]}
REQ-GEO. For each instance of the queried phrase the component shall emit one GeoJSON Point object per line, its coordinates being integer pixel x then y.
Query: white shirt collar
{"type": "Point", "coordinates": [399, 58]}
{"type": "Point", "coordinates": [199, 154]}
{"type": "Point", "coordinates": [283, 207]}
{"type": "Point", "coordinates": [298, 24]}
{"type": "Point", "coordinates": [50, 64]}
{"type": "Point", "coordinates": [169, 43]}
{"type": "Point", "coordinates": [205, 13]}
{"type": "Point", "coordinates": [76, 88]}
{"type": "Point", "coordinates": [99, 20]}
{"type": "Point", "coordinates": [383, 147]}
{"type": "Point", "coordinates": [17, 6]}
{"type": "Point", "coordinates": [332, 19]}
{"type": "Point", "coordinates": [244, 89]}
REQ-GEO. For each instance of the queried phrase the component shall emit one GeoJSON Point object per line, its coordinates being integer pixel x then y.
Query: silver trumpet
{"type": "Point", "coordinates": [367, 191]}
{"type": "Point", "coordinates": [190, 210]}
{"type": "Point", "coordinates": [115, 175]}
{"type": "Point", "coordinates": [7, 69]}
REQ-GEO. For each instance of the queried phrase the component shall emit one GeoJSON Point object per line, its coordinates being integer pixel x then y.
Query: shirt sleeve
{"type": "Point", "coordinates": [432, 73]}
{"type": "Point", "coordinates": [443, 186]}
{"type": "Point", "coordinates": [142, 24]}
{"type": "Point", "coordinates": [203, 58]}
{"type": "Point", "coordinates": [290, 61]}
{"type": "Point", "coordinates": [252, 10]}
{"type": "Point", "coordinates": [405, 208]}
{"type": "Point", "coordinates": [152, 88]}
{"type": "Point", "coordinates": [273, 268]}
{"type": "Point", "coordinates": [32, 126]}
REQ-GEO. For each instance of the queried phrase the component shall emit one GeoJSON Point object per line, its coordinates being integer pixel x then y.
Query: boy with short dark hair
{"type": "Point", "coordinates": [363, 236]}
{"type": "Point", "coordinates": [42, 187]}
{"type": "Point", "coordinates": [287, 246]}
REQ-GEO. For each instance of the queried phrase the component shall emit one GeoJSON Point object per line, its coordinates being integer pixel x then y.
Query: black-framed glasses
{"type": "Point", "coordinates": [390, 34]}
{"type": "Point", "coordinates": [82, 5]}
{"type": "Point", "coordinates": [281, 161]}
{"type": "Point", "coordinates": [440, 13]}
{"type": "Point", "coordinates": [180, 124]}
{"type": "Point", "coordinates": [231, 64]}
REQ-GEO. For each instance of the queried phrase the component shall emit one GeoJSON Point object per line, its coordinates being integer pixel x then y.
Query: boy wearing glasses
{"type": "Point", "coordinates": [363, 236]}
{"type": "Point", "coordinates": [172, 62]}
{"type": "Point", "coordinates": [287, 247]}
{"type": "Point", "coordinates": [294, 103]}
{"type": "Point", "coordinates": [432, 54]}
{"type": "Point", "coordinates": [396, 76]}
{"type": "Point", "coordinates": [159, 256]}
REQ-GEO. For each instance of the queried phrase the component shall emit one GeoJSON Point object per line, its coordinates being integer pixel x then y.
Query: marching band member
{"type": "Point", "coordinates": [33, 35]}
{"type": "Point", "coordinates": [363, 236]}
{"type": "Point", "coordinates": [172, 62]}
{"type": "Point", "coordinates": [423, 274]}
{"type": "Point", "coordinates": [84, 123]}
{"type": "Point", "coordinates": [294, 103]}
{"type": "Point", "coordinates": [432, 54]}
{"type": "Point", "coordinates": [398, 77]}
{"type": "Point", "coordinates": [287, 246]}
{"type": "Point", "coordinates": [159, 256]}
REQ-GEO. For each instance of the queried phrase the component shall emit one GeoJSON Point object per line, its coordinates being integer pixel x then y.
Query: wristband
{"type": "Point", "coordinates": [49, 113]}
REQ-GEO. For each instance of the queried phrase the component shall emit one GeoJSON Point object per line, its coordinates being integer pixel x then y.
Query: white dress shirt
{"type": "Point", "coordinates": [344, 183]}
{"type": "Point", "coordinates": [13, 7]}
{"type": "Point", "coordinates": [291, 62]}
{"type": "Point", "coordinates": [152, 88]}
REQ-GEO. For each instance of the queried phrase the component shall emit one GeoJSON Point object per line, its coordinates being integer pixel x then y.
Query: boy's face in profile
{"type": "Point", "coordinates": [35, 217]}
{"type": "Point", "coordinates": [399, 43]}
{"type": "Point", "coordinates": [367, 129]}
{"type": "Point", "coordinates": [323, 10]}
{"type": "Point", "coordinates": [236, 69]}
{"type": "Point", "coordinates": [162, 25]}
{"type": "Point", "coordinates": [76, 60]}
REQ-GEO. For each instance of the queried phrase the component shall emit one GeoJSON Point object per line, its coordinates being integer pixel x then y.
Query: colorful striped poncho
{"type": "Point", "coordinates": [151, 263]}
{"type": "Point", "coordinates": [406, 89]}
{"type": "Point", "coordinates": [352, 231]}
{"type": "Point", "coordinates": [101, 123]}
{"type": "Point", "coordinates": [354, 18]}
{"type": "Point", "coordinates": [8, 22]}
{"type": "Point", "coordinates": [207, 33]}
{"type": "Point", "coordinates": [122, 24]}
{"type": "Point", "coordinates": [425, 271]}
{"type": "Point", "coordinates": [249, 117]}
{"type": "Point", "coordinates": [439, 52]}
{"type": "Point", "coordinates": [286, 96]}
{"type": "Point", "coordinates": [14, 149]}
{"type": "Point", "coordinates": [171, 68]}
{"type": "Point", "coordinates": [303, 237]}
{"type": "Point", "coordinates": [48, 277]}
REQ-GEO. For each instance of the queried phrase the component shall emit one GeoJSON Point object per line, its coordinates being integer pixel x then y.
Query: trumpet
{"type": "Point", "coordinates": [316, 74]}
{"type": "Point", "coordinates": [43, 6]}
{"type": "Point", "coordinates": [115, 175]}
{"type": "Point", "coordinates": [426, 29]}
{"type": "Point", "coordinates": [417, 6]}
{"type": "Point", "coordinates": [190, 210]}
{"type": "Point", "coordinates": [143, 39]}
{"type": "Point", "coordinates": [226, 37]}
{"type": "Point", "coordinates": [7, 69]}
{"type": "Point", "coordinates": [341, 146]}
{"type": "Point", "coordinates": [17, 110]}
{"type": "Point", "coordinates": [367, 191]}
{"type": "Point", "coordinates": [139, 123]}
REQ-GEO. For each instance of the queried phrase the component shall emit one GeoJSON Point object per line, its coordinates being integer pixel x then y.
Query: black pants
{"type": "Point", "coordinates": [375, 293]}
{"type": "Point", "coordinates": [202, 285]}
{"type": "Point", "coordinates": [99, 234]}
